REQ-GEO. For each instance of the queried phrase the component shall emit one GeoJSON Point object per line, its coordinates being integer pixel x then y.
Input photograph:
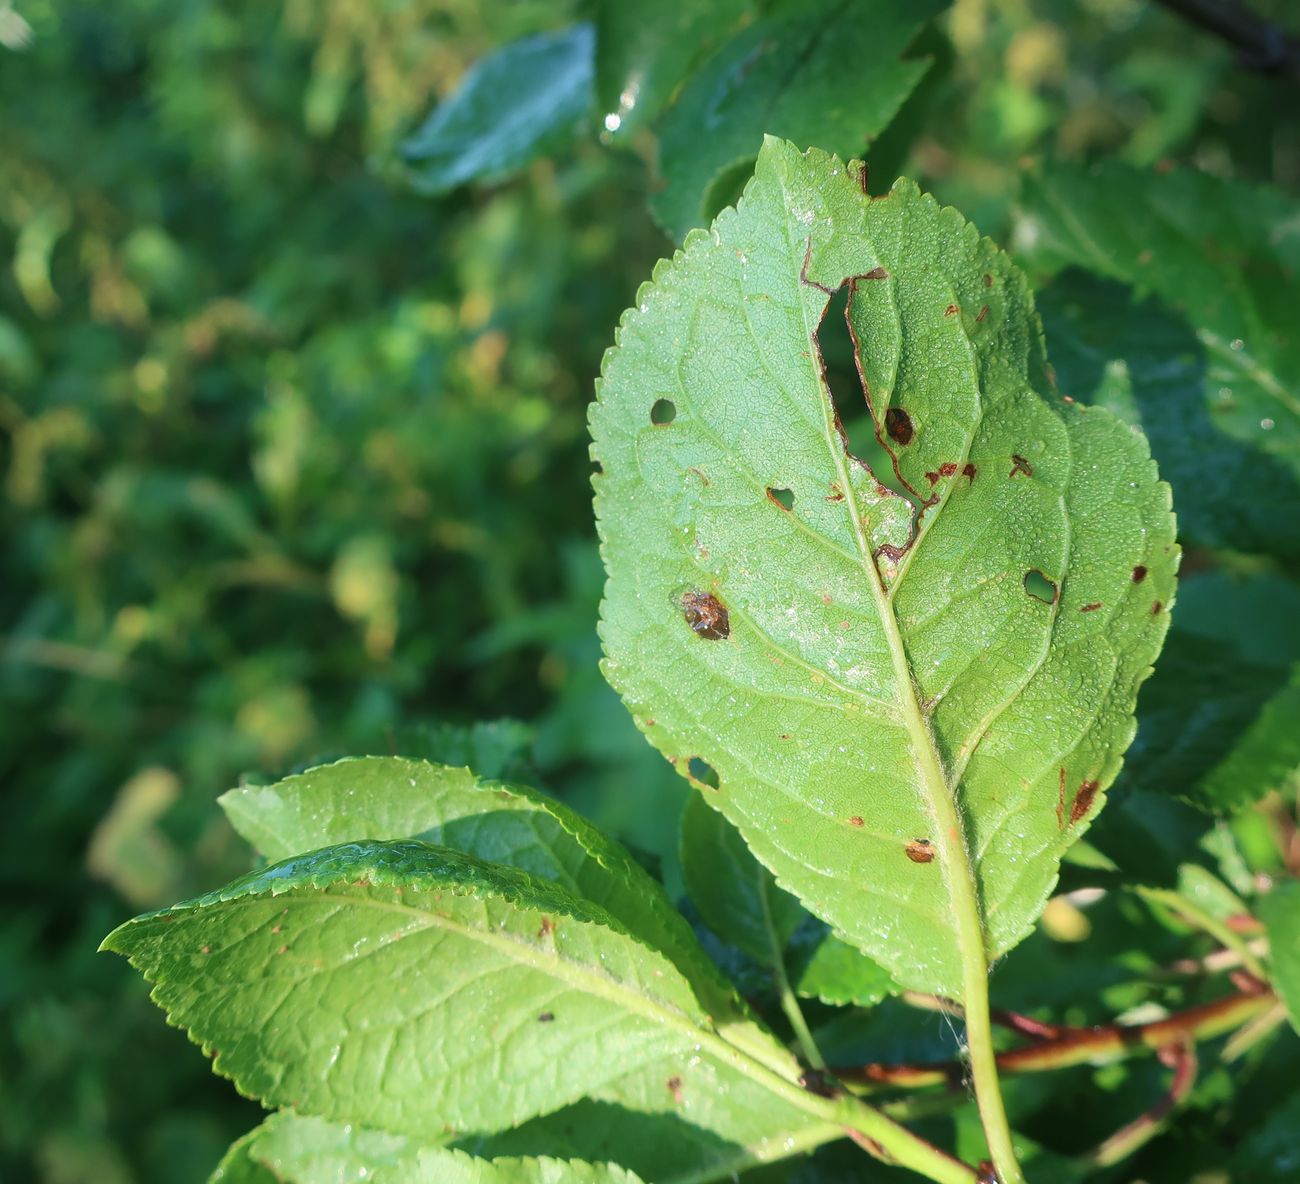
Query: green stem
{"type": "Point", "coordinates": [789, 1002]}
{"type": "Point", "coordinates": [939, 795]}
{"type": "Point", "coordinates": [1197, 917]}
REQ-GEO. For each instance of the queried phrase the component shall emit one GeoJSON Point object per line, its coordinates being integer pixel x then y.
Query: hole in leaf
{"type": "Point", "coordinates": [700, 770]}
{"type": "Point", "coordinates": [783, 497]}
{"type": "Point", "coordinates": [663, 412]}
{"type": "Point", "coordinates": [849, 400]}
{"type": "Point", "coordinates": [1040, 587]}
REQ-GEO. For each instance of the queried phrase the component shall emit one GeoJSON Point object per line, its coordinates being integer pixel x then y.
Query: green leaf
{"type": "Point", "coordinates": [239, 1166]}
{"type": "Point", "coordinates": [739, 900]}
{"type": "Point", "coordinates": [397, 798]}
{"type": "Point", "coordinates": [1191, 333]}
{"type": "Point", "coordinates": [312, 1151]}
{"type": "Point", "coordinates": [828, 72]}
{"type": "Point", "coordinates": [892, 713]}
{"type": "Point", "coordinates": [1280, 912]}
{"type": "Point", "coordinates": [403, 986]}
{"type": "Point", "coordinates": [414, 989]}
{"type": "Point", "coordinates": [520, 102]}
{"type": "Point", "coordinates": [643, 52]}
{"type": "Point", "coordinates": [734, 893]}
{"type": "Point", "coordinates": [826, 968]}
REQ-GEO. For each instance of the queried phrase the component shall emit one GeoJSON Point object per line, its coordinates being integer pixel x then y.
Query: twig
{"type": "Point", "coordinates": [1182, 1058]}
{"type": "Point", "coordinates": [1012, 1020]}
{"type": "Point", "coordinates": [1199, 918]}
{"type": "Point", "coordinates": [1080, 1046]}
{"type": "Point", "coordinates": [1261, 46]}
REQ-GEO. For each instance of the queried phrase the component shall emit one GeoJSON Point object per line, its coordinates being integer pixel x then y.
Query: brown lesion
{"type": "Point", "coordinates": [1020, 465]}
{"type": "Point", "coordinates": [1083, 800]}
{"type": "Point", "coordinates": [920, 851]}
{"type": "Point", "coordinates": [706, 615]}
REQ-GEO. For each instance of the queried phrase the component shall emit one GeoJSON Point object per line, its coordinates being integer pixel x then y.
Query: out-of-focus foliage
{"type": "Point", "coordinates": [294, 465]}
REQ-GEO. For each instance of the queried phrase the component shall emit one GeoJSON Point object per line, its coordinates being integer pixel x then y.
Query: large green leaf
{"type": "Point", "coordinates": [397, 798]}
{"type": "Point", "coordinates": [900, 718]}
{"type": "Point", "coordinates": [519, 102]}
{"type": "Point", "coordinates": [1186, 325]}
{"type": "Point", "coordinates": [411, 988]}
{"type": "Point", "coordinates": [825, 71]}
{"type": "Point", "coordinates": [645, 51]}
{"type": "Point", "coordinates": [312, 1151]}
{"type": "Point", "coordinates": [419, 991]}
{"type": "Point", "coordinates": [1280, 912]}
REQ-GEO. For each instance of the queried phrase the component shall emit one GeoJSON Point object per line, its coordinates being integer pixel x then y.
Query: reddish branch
{"type": "Point", "coordinates": [1079, 1046]}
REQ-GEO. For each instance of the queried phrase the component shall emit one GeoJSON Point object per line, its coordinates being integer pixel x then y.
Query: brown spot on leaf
{"type": "Point", "coordinates": [969, 471]}
{"type": "Point", "coordinates": [1083, 800]}
{"type": "Point", "coordinates": [890, 552]}
{"type": "Point", "coordinates": [876, 273]}
{"type": "Point", "coordinates": [856, 820]}
{"type": "Point", "coordinates": [706, 615]}
{"type": "Point", "coordinates": [206, 950]}
{"type": "Point", "coordinates": [1060, 801]}
{"type": "Point", "coordinates": [546, 1017]}
{"type": "Point", "coordinates": [836, 494]}
{"type": "Point", "coordinates": [1091, 608]}
{"type": "Point", "coordinates": [1139, 574]}
{"type": "Point", "coordinates": [947, 469]}
{"type": "Point", "coordinates": [988, 280]}
{"type": "Point", "coordinates": [674, 1087]}
{"type": "Point", "coordinates": [546, 928]}
{"type": "Point", "coordinates": [282, 950]}
{"type": "Point", "coordinates": [899, 425]}
{"type": "Point", "coordinates": [951, 310]}
{"type": "Point", "coordinates": [1020, 465]}
{"type": "Point", "coordinates": [983, 312]}
{"type": "Point", "coordinates": [920, 851]}
{"type": "Point", "coordinates": [1155, 608]}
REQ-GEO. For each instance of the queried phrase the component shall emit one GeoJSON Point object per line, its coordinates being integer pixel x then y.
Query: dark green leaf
{"type": "Point", "coordinates": [829, 72]}
{"type": "Point", "coordinates": [1209, 363]}
{"type": "Point", "coordinates": [739, 900]}
{"type": "Point", "coordinates": [644, 52]}
{"type": "Point", "coordinates": [521, 101]}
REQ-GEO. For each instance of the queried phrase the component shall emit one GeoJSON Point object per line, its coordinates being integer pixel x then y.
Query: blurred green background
{"type": "Point", "coordinates": [294, 458]}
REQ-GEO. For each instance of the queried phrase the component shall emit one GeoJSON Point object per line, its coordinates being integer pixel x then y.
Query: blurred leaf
{"type": "Point", "coordinates": [1270, 1154]}
{"type": "Point", "coordinates": [239, 1167]}
{"type": "Point", "coordinates": [1280, 912]}
{"type": "Point", "coordinates": [643, 53]}
{"type": "Point", "coordinates": [1217, 719]}
{"type": "Point", "coordinates": [521, 101]}
{"type": "Point", "coordinates": [826, 73]}
{"type": "Point", "coordinates": [1211, 366]}
{"type": "Point", "coordinates": [310, 1151]}
{"type": "Point", "coordinates": [809, 652]}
